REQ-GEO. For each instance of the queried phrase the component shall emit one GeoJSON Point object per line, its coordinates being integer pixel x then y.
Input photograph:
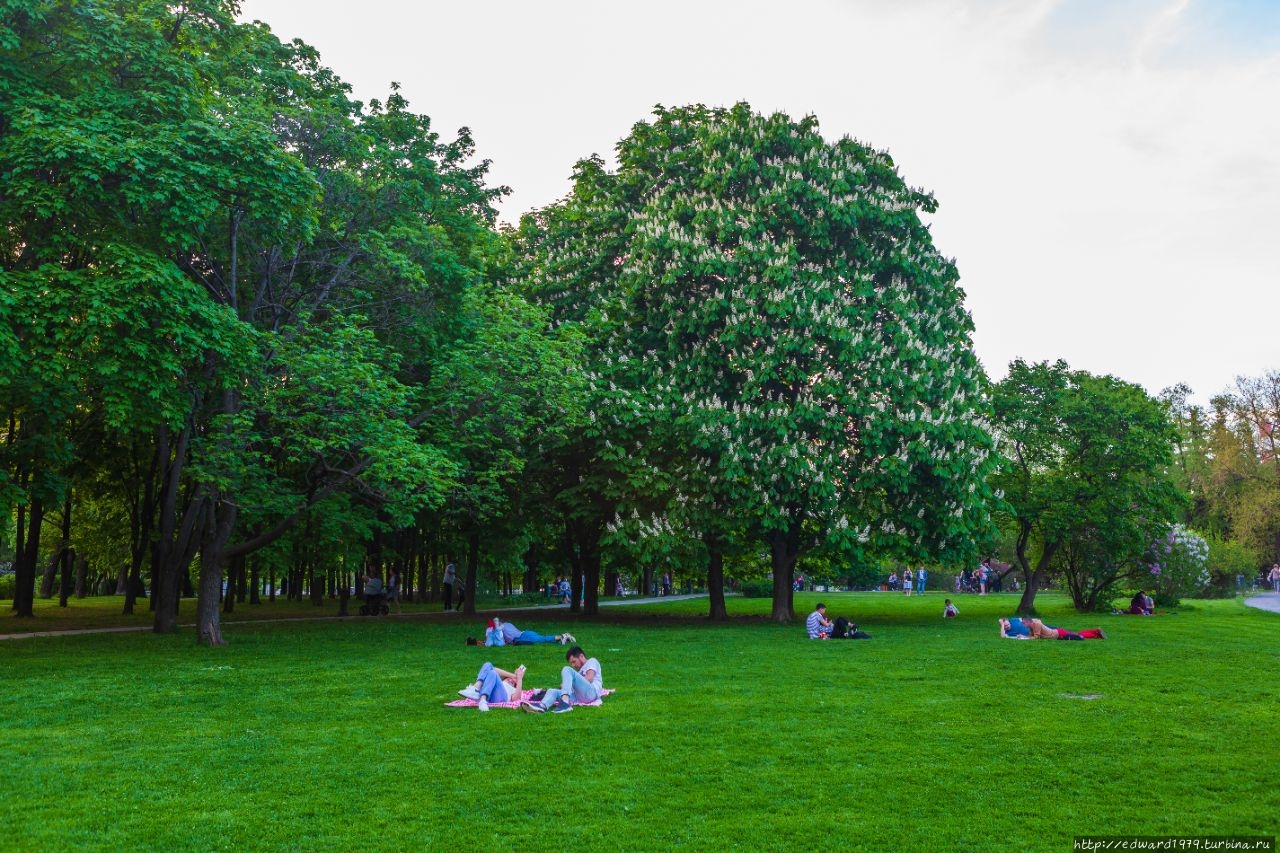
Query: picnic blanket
{"type": "Point", "coordinates": [525, 696]}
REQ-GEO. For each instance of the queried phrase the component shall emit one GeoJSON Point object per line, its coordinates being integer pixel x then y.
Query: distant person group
{"type": "Point", "coordinates": [912, 581]}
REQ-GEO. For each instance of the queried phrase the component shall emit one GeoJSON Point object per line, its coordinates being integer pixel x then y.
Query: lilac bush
{"type": "Point", "coordinates": [1178, 564]}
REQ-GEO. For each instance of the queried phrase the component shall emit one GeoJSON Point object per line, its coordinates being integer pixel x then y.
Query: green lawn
{"type": "Point", "coordinates": [934, 735]}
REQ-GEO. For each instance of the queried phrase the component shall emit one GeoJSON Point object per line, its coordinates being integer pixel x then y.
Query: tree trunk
{"type": "Point", "coordinates": [584, 556]}
{"type": "Point", "coordinates": [171, 539]}
{"type": "Point", "coordinates": [142, 523]}
{"type": "Point", "coordinates": [220, 520]}
{"type": "Point", "coordinates": [82, 572]}
{"type": "Point", "coordinates": [229, 596]}
{"type": "Point", "coordinates": [591, 581]}
{"type": "Point", "coordinates": [255, 584]}
{"type": "Point", "coordinates": [317, 583]}
{"type": "Point", "coordinates": [473, 561]}
{"type": "Point", "coordinates": [715, 577]}
{"type": "Point", "coordinates": [531, 581]}
{"type": "Point", "coordinates": [1027, 606]}
{"type": "Point", "coordinates": [64, 582]}
{"type": "Point", "coordinates": [24, 580]}
{"type": "Point", "coordinates": [59, 557]}
{"type": "Point", "coordinates": [784, 552]}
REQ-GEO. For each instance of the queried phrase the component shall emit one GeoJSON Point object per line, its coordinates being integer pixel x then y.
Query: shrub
{"type": "Point", "coordinates": [756, 589]}
{"type": "Point", "coordinates": [1177, 563]}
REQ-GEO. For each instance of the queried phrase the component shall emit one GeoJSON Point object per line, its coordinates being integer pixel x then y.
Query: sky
{"type": "Point", "coordinates": [1107, 171]}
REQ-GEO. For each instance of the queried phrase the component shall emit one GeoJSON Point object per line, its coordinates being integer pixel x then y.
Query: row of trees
{"type": "Point", "coordinates": [251, 327]}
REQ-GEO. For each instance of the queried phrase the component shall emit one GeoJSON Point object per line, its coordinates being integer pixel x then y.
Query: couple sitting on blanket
{"type": "Point", "coordinates": [580, 682]}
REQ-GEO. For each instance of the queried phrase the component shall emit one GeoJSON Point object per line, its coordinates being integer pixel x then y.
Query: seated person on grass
{"type": "Point", "coordinates": [950, 611]}
{"type": "Point", "coordinates": [580, 682]}
{"type": "Point", "coordinates": [494, 685]}
{"type": "Point", "coordinates": [1140, 605]}
{"type": "Point", "coordinates": [818, 625]}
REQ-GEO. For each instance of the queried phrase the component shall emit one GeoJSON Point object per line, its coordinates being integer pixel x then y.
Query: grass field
{"type": "Point", "coordinates": [745, 735]}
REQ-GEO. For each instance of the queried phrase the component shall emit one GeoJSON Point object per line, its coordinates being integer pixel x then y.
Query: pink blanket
{"type": "Point", "coordinates": [525, 696]}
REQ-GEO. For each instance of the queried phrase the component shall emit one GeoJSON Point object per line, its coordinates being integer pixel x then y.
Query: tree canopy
{"type": "Point", "coordinates": [767, 315]}
{"type": "Point", "coordinates": [1085, 482]}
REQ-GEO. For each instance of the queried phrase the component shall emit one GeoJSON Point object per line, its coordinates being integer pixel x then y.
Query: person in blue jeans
{"type": "Point", "coordinates": [515, 637]}
{"type": "Point", "coordinates": [922, 577]}
{"type": "Point", "coordinates": [581, 681]}
{"type": "Point", "coordinates": [494, 685]}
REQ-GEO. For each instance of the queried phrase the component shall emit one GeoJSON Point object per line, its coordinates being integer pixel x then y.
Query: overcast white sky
{"type": "Point", "coordinates": [1108, 171]}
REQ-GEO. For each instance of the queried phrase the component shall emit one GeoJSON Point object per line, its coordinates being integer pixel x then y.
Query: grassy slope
{"type": "Point", "coordinates": [933, 735]}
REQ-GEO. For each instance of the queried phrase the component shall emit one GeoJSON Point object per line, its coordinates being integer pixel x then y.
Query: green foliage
{"type": "Point", "coordinates": [1085, 479]}
{"type": "Point", "coordinates": [756, 588]}
{"type": "Point", "coordinates": [777, 350]}
{"type": "Point", "coordinates": [1228, 560]}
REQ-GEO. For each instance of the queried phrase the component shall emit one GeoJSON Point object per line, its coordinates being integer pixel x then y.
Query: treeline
{"type": "Point", "coordinates": [257, 332]}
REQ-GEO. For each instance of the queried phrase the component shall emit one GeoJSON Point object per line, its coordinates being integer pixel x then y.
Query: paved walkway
{"type": "Point", "coordinates": [535, 608]}
{"type": "Point", "coordinates": [1268, 601]}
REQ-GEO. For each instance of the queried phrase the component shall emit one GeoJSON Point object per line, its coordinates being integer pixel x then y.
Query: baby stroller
{"type": "Point", "coordinates": [375, 604]}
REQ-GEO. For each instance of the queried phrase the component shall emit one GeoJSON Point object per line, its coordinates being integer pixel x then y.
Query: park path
{"type": "Point", "coordinates": [1268, 601]}
{"type": "Point", "coordinates": [537, 608]}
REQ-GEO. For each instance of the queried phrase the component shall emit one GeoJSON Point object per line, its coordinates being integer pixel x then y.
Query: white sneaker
{"type": "Point", "coordinates": [469, 692]}
{"type": "Point", "coordinates": [568, 638]}
{"type": "Point", "coordinates": [484, 704]}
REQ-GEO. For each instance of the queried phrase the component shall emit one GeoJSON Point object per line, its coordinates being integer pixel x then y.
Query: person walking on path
{"type": "Point", "coordinates": [393, 589]}
{"type": "Point", "coordinates": [447, 582]}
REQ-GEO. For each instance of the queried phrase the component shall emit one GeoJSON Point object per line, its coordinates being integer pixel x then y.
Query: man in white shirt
{"type": "Point", "coordinates": [581, 681]}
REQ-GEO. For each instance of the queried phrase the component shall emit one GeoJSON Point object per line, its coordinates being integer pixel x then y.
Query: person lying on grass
{"type": "Point", "coordinates": [1034, 629]}
{"type": "Point", "coordinates": [499, 633]}
{"type": "Point", "coordinates": [515, 637]}
{"type": "Point", "coordinates": [846, 630]}
{"type": "Point", "coordinates": [494, 685]}
{"type": "Point", "coordinates": [581, 681]}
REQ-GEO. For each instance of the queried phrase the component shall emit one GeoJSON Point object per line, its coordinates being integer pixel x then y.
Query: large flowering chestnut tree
{"type": "Point", "coordinates": [780, 354]}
